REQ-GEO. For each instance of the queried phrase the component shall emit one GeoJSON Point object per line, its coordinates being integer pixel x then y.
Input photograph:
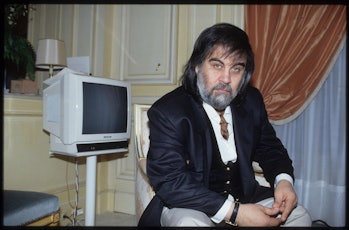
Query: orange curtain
{"type": "Point", "coordinates": [295, 47]}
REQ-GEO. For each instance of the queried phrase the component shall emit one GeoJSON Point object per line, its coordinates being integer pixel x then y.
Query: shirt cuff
{"type": "Point", "coordinates": [283, 176]}
{"type": "Point", "coordinates": [222, 212]}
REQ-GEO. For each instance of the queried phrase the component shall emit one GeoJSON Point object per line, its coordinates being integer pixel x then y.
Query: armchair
{"type": "Point", "coordinates": [144, 192]}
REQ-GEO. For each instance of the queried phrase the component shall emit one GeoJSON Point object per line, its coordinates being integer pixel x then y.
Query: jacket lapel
{"type": "Point", "coordinates": [243, 141]}
{"type": "Point", "coordinates": [206, 132]}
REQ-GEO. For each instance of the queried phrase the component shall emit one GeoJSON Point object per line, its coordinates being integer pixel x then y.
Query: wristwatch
{"type": "Point", "coordinates": [232, 220]}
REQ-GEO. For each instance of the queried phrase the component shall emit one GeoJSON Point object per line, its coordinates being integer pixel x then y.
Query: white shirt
{"type": "Point", "coordinates": [227, 148]}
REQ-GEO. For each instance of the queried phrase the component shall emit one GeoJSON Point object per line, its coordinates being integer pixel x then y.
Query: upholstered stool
{"type": "Point", "coordinates": [30, 208]}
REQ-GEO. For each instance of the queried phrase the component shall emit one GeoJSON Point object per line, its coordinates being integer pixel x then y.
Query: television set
{"type": "Point", "coordinates": [86, 115]}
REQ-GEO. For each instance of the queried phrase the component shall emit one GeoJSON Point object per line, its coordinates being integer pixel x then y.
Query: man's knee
{"type": "Point", "coordinates": [189, 221]}
{"type": "Point", "coordinates": [181, 217]}
{"type": "Point", "coordinates": [299, 217]}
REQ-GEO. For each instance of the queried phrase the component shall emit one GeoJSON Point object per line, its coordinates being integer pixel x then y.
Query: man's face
{"type": "Point", "coordinates": [219, 77]}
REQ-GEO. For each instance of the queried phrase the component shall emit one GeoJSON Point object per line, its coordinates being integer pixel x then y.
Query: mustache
{"type": "Point", "coordinates": [225, 87]}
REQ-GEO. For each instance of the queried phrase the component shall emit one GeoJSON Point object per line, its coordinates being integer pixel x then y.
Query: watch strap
{"type": "Point", "coordinates": [232, 220]}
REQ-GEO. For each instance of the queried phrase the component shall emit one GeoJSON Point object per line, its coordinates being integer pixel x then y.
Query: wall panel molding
{"type": "Point", "coordinates": [149, 44]}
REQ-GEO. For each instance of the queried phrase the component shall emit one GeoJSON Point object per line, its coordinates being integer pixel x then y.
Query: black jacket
{"type": "Point", "coordinates": [180, 153]}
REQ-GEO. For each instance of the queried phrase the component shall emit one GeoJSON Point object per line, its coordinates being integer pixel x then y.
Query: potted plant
{"type": "Point", "coordinates": [19, 54]}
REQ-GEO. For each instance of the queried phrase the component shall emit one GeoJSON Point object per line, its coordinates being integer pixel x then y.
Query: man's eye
{"type": "Point", "coordinates": [217, 66]}
{"type": "Point", "coordinates": [237, 69]}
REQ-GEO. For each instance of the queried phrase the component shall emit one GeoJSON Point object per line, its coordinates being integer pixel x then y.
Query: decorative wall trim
{"type": "Point", "coordinates": [122, 169]}
{"type": "Point", "coordinates": [21, 105]}
{"type": "Point", "coordinates": [162, 69]}
{"type": "Point", "coordinates": [144, 100]}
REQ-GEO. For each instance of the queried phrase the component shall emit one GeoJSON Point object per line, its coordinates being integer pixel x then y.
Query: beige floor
{"type": "Point", "coordinates": [116, 219]}
{"type": "Point", "coordinates": [108, 219]}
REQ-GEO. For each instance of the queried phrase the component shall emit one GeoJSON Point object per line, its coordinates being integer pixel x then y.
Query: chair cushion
{"type": "Point", "coordinates": [21, 207]}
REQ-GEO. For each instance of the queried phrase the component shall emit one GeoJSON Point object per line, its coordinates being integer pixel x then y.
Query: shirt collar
{"type": "Point", "coordinates": [212, 113]}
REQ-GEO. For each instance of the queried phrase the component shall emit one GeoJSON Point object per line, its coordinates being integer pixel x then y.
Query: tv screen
{"type": "Point", "coordinates": [86, 115]}
{"type": "Point", "coordinates": [101, 104]}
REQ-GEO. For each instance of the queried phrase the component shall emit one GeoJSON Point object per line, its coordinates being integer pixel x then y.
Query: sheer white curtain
{"type": "Point", "coordinates": [316, 142]}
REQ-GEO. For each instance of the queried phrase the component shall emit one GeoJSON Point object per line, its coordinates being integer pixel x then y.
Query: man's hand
{"type": "Point", "coordinates": [285, 198]}
{"type": "Point", "coordinates": [257, 215]}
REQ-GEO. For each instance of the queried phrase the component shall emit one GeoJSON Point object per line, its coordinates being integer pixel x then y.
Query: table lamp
{"type": "Point", "coordinates": [50, 55]}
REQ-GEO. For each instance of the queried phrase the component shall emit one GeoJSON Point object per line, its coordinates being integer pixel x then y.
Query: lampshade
{"type": "Point", "coordinates": [50, 55]}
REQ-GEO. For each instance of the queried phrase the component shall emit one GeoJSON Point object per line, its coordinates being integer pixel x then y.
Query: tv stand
{"type": "Point", "coordinates": [91, 174]}
{"type": "Point", "coordinates": [90, 199]}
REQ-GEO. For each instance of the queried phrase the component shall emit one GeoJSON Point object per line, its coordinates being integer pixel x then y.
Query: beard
{"type": "Point", "coordinates": [217, 101]}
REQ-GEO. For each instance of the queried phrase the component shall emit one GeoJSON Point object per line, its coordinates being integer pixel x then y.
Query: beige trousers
{"type": "Point", "coordinates": [188, 217]}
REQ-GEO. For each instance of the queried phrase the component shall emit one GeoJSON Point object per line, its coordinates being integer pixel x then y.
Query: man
{"type": "Point", "coordinates": [202, 173]}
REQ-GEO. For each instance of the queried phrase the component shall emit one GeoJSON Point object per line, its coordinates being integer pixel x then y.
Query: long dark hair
{"type": "Point", "coordinates": [227, 35]}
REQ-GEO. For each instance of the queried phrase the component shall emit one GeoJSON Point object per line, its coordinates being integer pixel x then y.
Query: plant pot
{"type": "Point", "coordinates": [12, 72]}
{"type": "Point", "coordinates": [24, 86]}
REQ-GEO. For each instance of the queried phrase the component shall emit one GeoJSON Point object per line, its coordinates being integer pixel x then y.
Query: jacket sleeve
{"type": "Point", "coordinates": [270, 152]}
{"type": "Point", "coordinates": [176, 177]}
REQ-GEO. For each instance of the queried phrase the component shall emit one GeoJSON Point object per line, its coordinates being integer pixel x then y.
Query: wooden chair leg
{"type": "Point", "coordinates": [50, 220]}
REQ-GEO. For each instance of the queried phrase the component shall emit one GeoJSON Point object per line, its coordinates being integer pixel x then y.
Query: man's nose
{"type": "Point", "coordinates": [225, 76]}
